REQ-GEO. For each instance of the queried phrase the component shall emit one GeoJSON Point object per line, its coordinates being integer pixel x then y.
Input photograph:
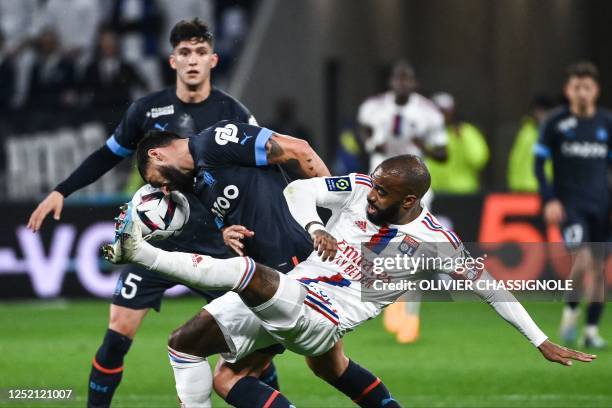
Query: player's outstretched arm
{"type": "Point", "coordinates": [92, 168]}
{"type": "Point", "coordinates": [563, 355]}
{"type": "Point", "coordinates": [297, 154]}
{"type": "Point", "coordinates": [506, 305]}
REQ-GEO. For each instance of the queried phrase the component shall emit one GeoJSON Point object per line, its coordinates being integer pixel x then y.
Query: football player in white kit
{"type": "Point", "coordinates": [311, 308]}
{"type": "Point", "coordinates": [402, 121]}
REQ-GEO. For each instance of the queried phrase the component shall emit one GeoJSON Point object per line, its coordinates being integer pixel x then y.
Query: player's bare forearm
{"type": "Point", "coordinates": [297, 155]}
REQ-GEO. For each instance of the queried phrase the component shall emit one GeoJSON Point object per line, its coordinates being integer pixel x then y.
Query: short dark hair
{"type": "Point", "coordinates": [412, 170]}
{"type": "Point", "coordinates": [582, 69]}
{"type": "Point", "coordinates": [153, 139]}
{"type": "Point", "coordinates": [186, 30]}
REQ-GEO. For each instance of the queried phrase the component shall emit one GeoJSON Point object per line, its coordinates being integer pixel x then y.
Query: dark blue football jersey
{"type": "Point", "coordinates": [164, 111]}
{"type": "Point", "coordinates": [236, 184]}
{"type": "Point", "coordinates": [581, 151]}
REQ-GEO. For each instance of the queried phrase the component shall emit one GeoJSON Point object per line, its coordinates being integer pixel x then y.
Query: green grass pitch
{"type": "Point", "coordinates": [466, 357]}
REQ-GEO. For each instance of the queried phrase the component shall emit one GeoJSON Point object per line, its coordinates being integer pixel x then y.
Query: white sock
{"type": "Point", "coordinates": [570, 315]}
{"type": "Point", "coordinates": [591, 330]}
{"type": "Point", "coordinates": [193, 378]}
{"type": "Point", "coordinates": [201, 271]}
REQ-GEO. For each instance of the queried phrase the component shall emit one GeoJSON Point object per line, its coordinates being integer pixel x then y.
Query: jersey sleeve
{"type": "Point", "coordinates": [544, 145]}
{"type": "Point", "coordinates": [364, 114]}
{"type": "Point", "coordinates": [236, 143]}
{"type": "Point", "coordinates": [128, 133]}
{"type": "Point", "coordinates": [334, 193]}
{"type": "Point", "coordinates": [435, 135]}
{"type": "Point", "coordinates": [245, 115]}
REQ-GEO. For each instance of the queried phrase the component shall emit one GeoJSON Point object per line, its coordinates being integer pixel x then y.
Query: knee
{"type": "Point", "coordinates": [174, 340]}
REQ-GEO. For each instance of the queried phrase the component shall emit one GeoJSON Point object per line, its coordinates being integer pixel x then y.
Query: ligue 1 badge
{"type": "Point", "coordinates": [338, 183]}
{"type": "Point", "coordinates": [408, 246]}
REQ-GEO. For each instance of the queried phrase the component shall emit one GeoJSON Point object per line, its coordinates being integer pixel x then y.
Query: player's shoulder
{"type": "Point", "coordinates": [376, 100]}
{"type": "Point", "coordinates": [427, 228]}
{"type": "Point", "coordinates": [557, 115]}
{"type": "Point", "coordinates": [158, 99]}
{"type": "Point", "coordinates": [423, 104]}
{"type": "Point", "coordinates": [221, 96]}
{"type": "Point", "coordinates": [605, 113]}
{"type": "Point", "coordinates": [349, 183]}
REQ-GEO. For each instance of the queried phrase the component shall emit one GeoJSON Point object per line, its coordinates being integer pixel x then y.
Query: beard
{"type": "Point", "coordinates": [177, 180]}
{"type": "Point", "coordinates": [387, 215]}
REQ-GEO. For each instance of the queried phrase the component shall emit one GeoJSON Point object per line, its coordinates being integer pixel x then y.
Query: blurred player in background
{"type": "Point", "coordinates": [187, 108]}
{"type": "Point", "coordinates": [402, 121]}
{"type": "Point", "coordinates": [577, 140]}
{"type": "Point", "coordinates": [311, 308]}
{"type": "Point", "coordinates": [521, 163]}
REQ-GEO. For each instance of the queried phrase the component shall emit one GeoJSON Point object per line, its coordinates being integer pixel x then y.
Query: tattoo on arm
{"type": "Point", "coordinates": [273, 149]}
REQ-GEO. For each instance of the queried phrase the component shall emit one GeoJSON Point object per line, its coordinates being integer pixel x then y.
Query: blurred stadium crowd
{"type": "Point", "coordinates": [70, 68]}
{"type": "Point", "coordinates": [65, 63]}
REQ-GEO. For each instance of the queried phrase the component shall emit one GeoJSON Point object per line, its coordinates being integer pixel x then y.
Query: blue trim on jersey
{"type": "Point", "coordinates": [261, 158]}
{"type": "Point", "coordinates": [541, 151]}
{"type": "Point", "coordinates": [116, 148]}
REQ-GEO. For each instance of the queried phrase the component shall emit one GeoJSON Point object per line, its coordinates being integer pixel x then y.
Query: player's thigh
{"type": "Point", "coordinates": [329, 365]}
{"type": "Point", "coordinates": [242, 330]}
{"type": "Point", "coordinates": [304, 319]}
{"type": "Point", "coordinates": [228, 374]}
{"type": "Point", "coordinates": [200, 336]}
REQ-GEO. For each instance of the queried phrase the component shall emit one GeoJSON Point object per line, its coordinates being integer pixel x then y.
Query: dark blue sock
{"type": "Point", "coordinates": [594, 311]}
{"type": "Point", "coordinates": [107, 369]}
{"type": "Point", "coordinates": [364, 388]}
{"type": "Point", "coordinates": [249, 392]}
{"type": "Point", "coordinates": [270, 377]}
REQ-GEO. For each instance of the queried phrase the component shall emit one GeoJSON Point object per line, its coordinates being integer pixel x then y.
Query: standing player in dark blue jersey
{"type": "Point", "coordinates": [578, 140]}
{"type": "Point", "coordinates": [187, 108]}
{"type": "Point", "coordinates": [231, 162]}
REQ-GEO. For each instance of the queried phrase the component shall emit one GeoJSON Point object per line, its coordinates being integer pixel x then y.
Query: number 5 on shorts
{"type": "Point", "coordinates": [130, 285]}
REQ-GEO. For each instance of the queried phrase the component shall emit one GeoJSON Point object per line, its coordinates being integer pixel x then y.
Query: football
{"type": "Point", "coordinates": [161, 216]}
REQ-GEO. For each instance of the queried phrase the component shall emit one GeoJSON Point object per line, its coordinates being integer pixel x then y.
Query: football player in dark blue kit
{"type": "Point", "coordinates": [578, 139]}
{"type": "Point", "coordinates": [187, 108]}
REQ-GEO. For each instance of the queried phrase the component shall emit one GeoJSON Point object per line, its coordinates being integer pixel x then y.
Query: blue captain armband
{"type": "Point", "coordinates": [541, 150]}
{"type": "Point", "coordinates": [116, 148]}
{"type": "Point", "coordinates": [261, 158]}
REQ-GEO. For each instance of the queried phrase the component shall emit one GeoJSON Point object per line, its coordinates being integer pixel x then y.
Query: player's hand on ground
{"type": "Point", "coordinates": [325, 245]}
{"type": "Point", "coordinates": [554, 212]}
{"type": "Point", "coordinates": [563, 355]}
{"type": "Point", "coordinates": [54, 202]}
{"type": "Point", "coordinates": [233, 235]}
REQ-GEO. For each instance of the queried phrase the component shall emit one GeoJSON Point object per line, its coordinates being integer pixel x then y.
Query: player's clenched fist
{"type": "Point", "coordinates": [563, 355]}
{"type": "Point", "coordinates": [325, 245]}
{"type": "Point", "coordinates": [53, 203]}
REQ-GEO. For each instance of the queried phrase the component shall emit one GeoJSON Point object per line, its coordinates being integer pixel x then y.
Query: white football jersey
{"type": "Point", "coordinates": [398, 125]}
{"type": "Point", "coordinates": [344, 279]}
